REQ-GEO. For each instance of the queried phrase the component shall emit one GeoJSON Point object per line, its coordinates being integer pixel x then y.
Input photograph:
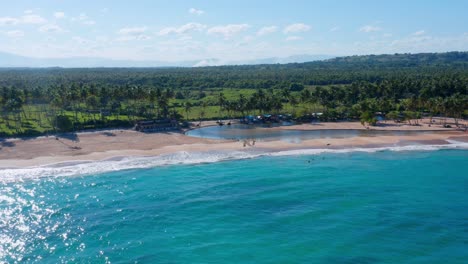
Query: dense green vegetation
{"type": "Point", "coordinates": [401, 86]}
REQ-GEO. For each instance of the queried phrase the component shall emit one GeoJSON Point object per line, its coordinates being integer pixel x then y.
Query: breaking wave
{"type": "Point", "coordinates": [123, 163]}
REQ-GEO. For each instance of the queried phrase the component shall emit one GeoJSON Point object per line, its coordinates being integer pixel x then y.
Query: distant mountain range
{"type": "Point", "coordinates": [12, 60]}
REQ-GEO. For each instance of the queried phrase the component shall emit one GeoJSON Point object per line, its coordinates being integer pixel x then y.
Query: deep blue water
{"type": "Point", "coordinates": [384, 207]}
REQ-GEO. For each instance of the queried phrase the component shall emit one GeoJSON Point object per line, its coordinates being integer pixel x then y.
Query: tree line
{"type": "Point", "coordinates": [402, 86]}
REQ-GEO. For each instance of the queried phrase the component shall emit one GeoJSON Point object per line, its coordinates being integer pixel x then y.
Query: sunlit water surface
{"type": "Point", "coordinates": [383, 207]}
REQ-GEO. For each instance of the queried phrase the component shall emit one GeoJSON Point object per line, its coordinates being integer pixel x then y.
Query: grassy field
{"type": "Point", "coordinates": [36, 119]}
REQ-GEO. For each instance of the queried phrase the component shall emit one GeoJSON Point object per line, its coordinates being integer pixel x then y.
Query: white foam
{"type": "Point", "coordinates": [452, 145]}
{"type": "Point", "coordinates": [87, 168]}
{"type": "Point", "coordinates": [183, 157]}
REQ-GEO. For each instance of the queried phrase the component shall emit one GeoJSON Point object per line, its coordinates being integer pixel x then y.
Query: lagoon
{"type": "Point", "coordinates": [241, 131]}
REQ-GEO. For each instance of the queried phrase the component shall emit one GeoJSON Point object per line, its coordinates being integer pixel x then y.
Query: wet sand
{"type": "Point", "coordinates": [93, 146]}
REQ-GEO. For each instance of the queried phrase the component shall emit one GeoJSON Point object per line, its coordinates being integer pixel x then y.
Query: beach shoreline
{"type": "Point", "coordinates": [113, 144]}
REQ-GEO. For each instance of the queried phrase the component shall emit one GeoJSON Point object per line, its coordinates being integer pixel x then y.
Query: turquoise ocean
{"type": "Point", "coordinates": [343, 206]}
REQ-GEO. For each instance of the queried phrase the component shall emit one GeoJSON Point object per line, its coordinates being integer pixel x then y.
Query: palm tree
{"type": "Point", "coordinates": [456, 104]}
{"type": "Point", "coordinates": [242, 104]}
{"type": "Point", "coordinates": [152, 100]}
{"type": "Point", "coordinates": [203, 110]}
{"type": "Point", "coordinates": [187, 108]}
{"type": "Point", "coordinates": [439, 105]}
{"type": "Point", "coordinates": [221, 102]}
{"type": "Point", "coordinates": [286, 94]}
{"type": "Point", "coordinates": [305, 97]}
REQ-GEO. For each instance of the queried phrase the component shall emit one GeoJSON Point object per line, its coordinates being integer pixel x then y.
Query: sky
{"type": "Point", "coordinates": [174, 30]}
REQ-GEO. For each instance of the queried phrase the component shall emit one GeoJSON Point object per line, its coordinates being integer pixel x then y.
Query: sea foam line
{"type": "Point", "coordinates": [187, 158]}
{"type": "Point", "coordinates": [453, 145]}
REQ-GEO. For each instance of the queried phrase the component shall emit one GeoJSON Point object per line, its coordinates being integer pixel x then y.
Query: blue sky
{"type": "Point", "coordinates": [229, 30]}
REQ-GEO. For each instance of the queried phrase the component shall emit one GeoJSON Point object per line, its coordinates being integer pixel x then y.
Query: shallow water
{"type": "Point", "coordinates": [240, 131]}
{"type": "Point", "coordinates": [353, 207]}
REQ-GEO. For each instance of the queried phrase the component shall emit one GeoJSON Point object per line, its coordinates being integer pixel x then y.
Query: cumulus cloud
{"type": "Point", "coordinates": [32, 19]}
{"type": "Point", "coordinates": [293, 38]}
{"type": "Point", "coordinates": [133, 33]}
{"type": "Point", "coordinates": [89, 22]}
{"type": "Point", "coordinates": [184, 29]}
{"type": "Point", "coordinates": [28, 18]}
{"type": "Point", "coordinates": [412, 44]}
{"type": "Point", "coordinates": [296, 28]}
{"type": "Point", "coordinates": [369, 29]}
{"type": "Point", "coordinates": [51, 28]}
{"type": "Point", "coordinates": [267, 30]}
{"type": "Point", "coordinates": [209, 62]}
{"type": "Point", "coordinates": [195, 11]}
{"type": "Point", "coordinates": [59, 15]}
{"type": "Point", "coordinates": [14, 34]}
{"type": "Point", "coordinates": [5, 21]}
{"type": "Point", "coordinates": [228, 30]}
{"type": "Point", "coordinates": [419, 33]}
{"type": "Point", "coordinates": [80, 40]}
{"type": "Point", "coordinates": [84, 19]}
{"type": "Point", "coordinates": [132, 30]}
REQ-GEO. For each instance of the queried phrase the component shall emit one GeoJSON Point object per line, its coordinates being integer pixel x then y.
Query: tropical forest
{"type": "Point", "coordinates": [400, 87]}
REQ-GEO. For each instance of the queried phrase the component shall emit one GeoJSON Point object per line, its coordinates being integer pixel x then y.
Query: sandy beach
{"type": "Point", "coordinates": [100, 145]}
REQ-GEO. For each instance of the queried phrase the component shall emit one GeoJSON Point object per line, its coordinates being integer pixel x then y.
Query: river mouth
{"type": "Point", "coordinates": [241, 131]}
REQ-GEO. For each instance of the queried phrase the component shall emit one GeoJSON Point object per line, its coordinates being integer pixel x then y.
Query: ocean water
{"type": "Point", "coordinates": [296, 207]}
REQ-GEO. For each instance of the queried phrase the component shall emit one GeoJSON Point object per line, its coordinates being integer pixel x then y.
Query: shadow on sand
{"type": "Point", "coordinates": [6, 144]}
{"type": "Point", "coordinates": [109, 134]}
{"type": "Point", "coordinates": [70, 136]}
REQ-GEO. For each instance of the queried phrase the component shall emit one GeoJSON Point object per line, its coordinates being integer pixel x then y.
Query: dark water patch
{"type": "Point", "coordinates": [240, 132]}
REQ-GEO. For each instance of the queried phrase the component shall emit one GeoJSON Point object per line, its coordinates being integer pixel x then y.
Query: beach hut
{"type": "Point", "coordinates": [157, 125]}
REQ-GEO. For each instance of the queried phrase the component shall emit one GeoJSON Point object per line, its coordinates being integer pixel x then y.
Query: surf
{"type": "Point", "coordinates": [82, 168]}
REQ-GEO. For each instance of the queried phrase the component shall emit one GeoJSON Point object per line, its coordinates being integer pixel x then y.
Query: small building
{"type": "Point", "coordinates": [249, 120]}
{"type": "Point", "coordinates": [270, 118]}
{"type": "Point", "coordinates": [157, 125]}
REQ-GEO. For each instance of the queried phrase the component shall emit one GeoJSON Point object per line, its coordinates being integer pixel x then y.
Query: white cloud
{"type": "Point", "coordinates": [59, 15]}
{"type": "Point", "coordinates": [369, 28]}
{"type": "Point", "coordinates": [29, 11]}
{"type": "Point", "coordinates": [33, 19]}
{"type": "Point", "coordinates": [228, 30]}
{"type": "Point", "coordinates": [81, 17]}
{"type": "Point", "coordinates": [267, 30]}
{"type": "Point", "coordinates": [80, 40]}
{"type": "Point", "coordinates": [51, 28]}
{"type": "Point", "coordinates": [184, 29]}
{"type": "Point", "coordinates": [5, 21]}
{"type": "Point", "coordinates": [195, 11]}
{"type": "Point", "coordinates": [28, 18]}
{"type": "Point", "coordinates": [132, 30]}
{"type": "Point", "coordinates": [387, 35]}
{"type": "Point", "coordinates": [293, 38]}
{"type": "Point", "coordinates": [209, 62]}
{"type": "Point", "coordinates": [89, 22]}
{"type": "Point", "coordinates": [133, 33]}
{"type": "Point", "coordinates": [333, 29]}
{"type": "Point", "coordinates": [84, 19]}
{"type": "Point", "coordinates": [14, 34]}
{"type": "Point", "coordinates": [296, 28]}
{"type": "Point", "coordinates": [419, 33]}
